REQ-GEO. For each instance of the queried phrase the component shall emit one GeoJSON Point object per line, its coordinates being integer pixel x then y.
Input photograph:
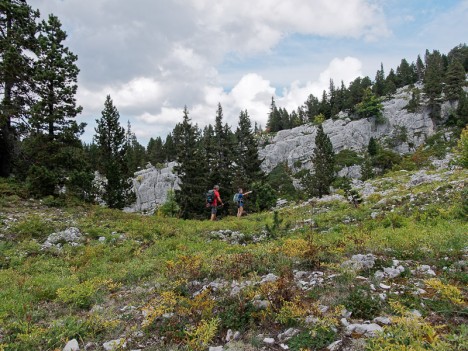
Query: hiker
{"type": "Point", "coordinates": [240, 201]}
{"type": "Point", "coordinates": [214, 204]}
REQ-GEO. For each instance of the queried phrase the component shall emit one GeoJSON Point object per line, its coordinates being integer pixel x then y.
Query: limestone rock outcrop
{"type": "Point", "coordinates": [152, 184]}
{"type": "Point", "coordinates": [403, 131]}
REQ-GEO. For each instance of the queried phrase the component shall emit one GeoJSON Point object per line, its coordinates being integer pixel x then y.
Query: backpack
{"type": "Point", "coordinates": [236, 197]}
{"type": "Point", "coordinates": [210, 195]}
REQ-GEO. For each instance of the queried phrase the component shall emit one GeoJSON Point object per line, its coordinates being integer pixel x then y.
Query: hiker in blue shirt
{"type": "Point", "coordinates": [240, 201]}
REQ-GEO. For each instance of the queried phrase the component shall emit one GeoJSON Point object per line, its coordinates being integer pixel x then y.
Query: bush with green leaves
{"type": "Point", "coordinates": [315, 339]}
{"type": "Point", "coordinates": [362, 303]}
{"type": "Point", "coordinates": [170, 208]}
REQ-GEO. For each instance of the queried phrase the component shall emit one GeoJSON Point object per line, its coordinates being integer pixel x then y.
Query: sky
{"type": "Point", "coordinates": [153, 57]}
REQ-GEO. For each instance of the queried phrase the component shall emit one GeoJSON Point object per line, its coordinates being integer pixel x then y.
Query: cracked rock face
{"type": "Point", "coordinates": [151, 186]}
{"type": "Point", "coordinates": [295, 146]}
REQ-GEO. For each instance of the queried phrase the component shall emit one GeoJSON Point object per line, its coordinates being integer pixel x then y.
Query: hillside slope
{"type": "Point", "coordinates": [311, 275]}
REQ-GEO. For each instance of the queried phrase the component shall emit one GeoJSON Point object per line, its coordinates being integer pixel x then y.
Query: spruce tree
{"type": "Point", "coordinates": [170, 148]}
{"type": "Point", "coordinates": [311, 107]}
{"type": "Point", "coordinates": [191, 195]}
{"type": "Point", "coordinates": [372, 147]}
{"type": "Point", "coordinates": [405, 74]}
{"type": "Point", "coordinates": [420, 69]}
{"type": "Point", "coordinates": [379, 84]}
{"type": "Point", "coordinates": [391, 83]}
{"type": "Point", "coordinates": [454, 80]}
{"type": "Point", "coordinates": [17, 37]}
{"type": "Point", "coordinates": [111, 144]}
{"type": "Point", "coordinates": [460, 53]}
{"type": "Point", "coordinates": [247, 161]}
{"type": "Point", "coordinates": [221, 170]}
{"type": "Point", "coordinates": [274, 123]}
{"type": "Point", "coordinates": [135, 155]}
{"type": "Point", "coordinates": [433, 79]}
{"type": "Point", "coordinates": [155, 151]}
{"type": "Point", "coordinates": [323, 160]}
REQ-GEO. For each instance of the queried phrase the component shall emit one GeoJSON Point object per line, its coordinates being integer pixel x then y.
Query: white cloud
{"type": "Point", "coordinates": [252, 93]}
{"type": "Point", "coordinates": [139, 92]}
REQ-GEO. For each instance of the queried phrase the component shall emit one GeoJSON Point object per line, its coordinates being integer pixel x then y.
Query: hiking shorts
{"type": "Point", "coordinates": [214, 209]}
{"type": "Point", "coordinates": [240, 204]}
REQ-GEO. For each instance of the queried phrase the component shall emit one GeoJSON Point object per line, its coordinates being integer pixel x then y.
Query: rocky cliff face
{"type": "Point", "coordinates": [151, 186]}
{"type": "Point", "coordinates": [402, 131]}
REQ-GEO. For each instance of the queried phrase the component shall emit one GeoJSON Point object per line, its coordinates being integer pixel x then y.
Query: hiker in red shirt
{"type": "Point", "coordinates": [214, 204]}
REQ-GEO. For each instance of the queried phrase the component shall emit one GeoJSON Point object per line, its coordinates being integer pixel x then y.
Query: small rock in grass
{"type": "Point", "coordinates": [269, 341]}
{"type": "Point", "coordinates": [335, 346]}
{"type": "Point", "coordinates": [72, 345]}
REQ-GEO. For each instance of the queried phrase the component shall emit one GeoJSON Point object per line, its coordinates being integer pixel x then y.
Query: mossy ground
{"type": "Point", "coordinates": [164, 283]}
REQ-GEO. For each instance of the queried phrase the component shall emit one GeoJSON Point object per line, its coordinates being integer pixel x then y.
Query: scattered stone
{"type": "Point", "coordinates": [70, 236]}
{"type": "Point", "coordinates": [261, 304]}
{"type": "Point", "coordinates": [416, 313]}
{"type": "Point", "coordinates": [102, 239]}
{"type": "Point", "coordinates": [284, 346]}
{"type": "Point", "coordinates": [215, 348]}
{"type": "Point", "coordinates": [363, 329]}
{"type": "Point", "coordinates": [335, 346]}
{"type": "Point", "coordinates": [269, 341]}
{"type": "Point", "coordinates": [358, 262]}
{"type": "Point", "coordinates": [114, 345]}
{"type": "Point", "coordinates": [269, 278]}
{"type": "Point", "coordinates": [72, 345]}
{"type": "Point", "coordinates": [288, 334]}
{"type": "Point", "coordinates": [385, 287]}
{"type": "Point", "coordinates": [382, 320]}
{"type": "Point", "coordinates": [230, 335]}
{"type": "Point", "coordinates": [425, 269]}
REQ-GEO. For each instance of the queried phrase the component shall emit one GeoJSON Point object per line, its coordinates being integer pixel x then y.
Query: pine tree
{"type": "Point", "coordinates": [323, 160]}
{"type": "Point", "coordinates": [56, 75]}
{"type": "Point", "coordinates": [460, 53]}
{"type": "Point", "coordinates": [391, 83]}
{"type": "Point", "coordinates": [221, 170]}
{"type": "Point", "coordinates": [420, 69]}
{"type": "Point", "coordinates": [247, 162]}
{"type": "Point", "coordinates": [311, 107]}
{"type": "Point", "coordinates": [372, 147]}
{"type": "Point", "coordinates": [379, 85]}
{"type": "Point", "coordinates": [274, 123]}
{"type": "Point", "coordinates": [155, 151]}
{"type": "Point", "coordinates": [17, 37]}
{"type": "Point", "coordinates": [170, 148]}
{"type": "Point", "coordinates": [405, 74]}
{"type": "Point", "coordinates": [52, 121]}
{"type": "Point", "coordinates": [135, 155]}
{"type": "Point", "coordinates": [454, 80]}
{"type": "Point", "coordinates": [433, 79]}
{"type": "Point", "coordinates": [190, 196]}
{"type": "Point", "coordinates": [111, 145]}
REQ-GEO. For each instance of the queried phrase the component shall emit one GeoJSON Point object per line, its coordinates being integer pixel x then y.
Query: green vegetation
{"type": "Point", "coordinates": [159, 265]}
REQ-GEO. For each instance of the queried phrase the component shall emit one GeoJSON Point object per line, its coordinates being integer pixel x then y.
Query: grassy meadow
{"type": "Point", "coordinates": [157, 283]}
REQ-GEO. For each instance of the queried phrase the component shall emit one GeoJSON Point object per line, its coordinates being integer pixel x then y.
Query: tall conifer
{"type": "Point", "coordinates": [17, 37]}
{"type": "Point", "coordinates": [111, 145]}
{"type": "Point", "coordinates": [190, 196]}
